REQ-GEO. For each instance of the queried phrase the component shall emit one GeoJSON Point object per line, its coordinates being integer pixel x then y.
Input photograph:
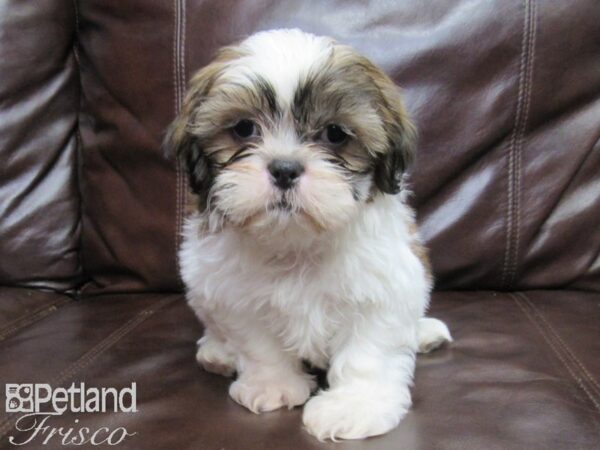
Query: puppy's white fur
{"type": "Point", "coordinates": [350, 298]}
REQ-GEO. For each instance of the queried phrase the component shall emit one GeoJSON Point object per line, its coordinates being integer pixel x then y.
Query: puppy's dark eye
{"type": "Point", "coordinates": [245, 129]}
{"type": "Point", "coordinates": [334, 134]}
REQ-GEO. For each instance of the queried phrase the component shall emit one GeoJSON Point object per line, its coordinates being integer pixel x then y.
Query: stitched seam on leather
{"type": "Point", "coordinates": [182, 83]}
{"type": "Point", "coordinates": [27, 319]}
{"type": "Point", "coordinates": [177, 106]}
{"type": "Point", "coordinates": [516, 156]}
{"type": "Point", "coordinates": [509, 206]}
{"type": "Point", "coordinates": [176, 109]}
{"type": "Point", "coordinates": [558, 354]}
{"type": "Point", "coordinates": [513, 199]}
{"type": "Point", "coordinates": [561, 358]}
{"type": "Point", "coordinates": [182, 86]}
{"type": "Point", "coordinates": [79, 154]}
{"type": "Point", "coordinates": [530, 61]}
{"type": "Point", "coordinates": [30, 314]}
{"type": "Point", "coordinates": [595, 386]}
{"type": "Point", "coordinates": [97, 350]}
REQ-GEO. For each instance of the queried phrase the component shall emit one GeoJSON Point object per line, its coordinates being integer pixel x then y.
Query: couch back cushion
{"type": "Point", "coordinates": [129, 189]}
{"type": "Point", "coordinates": [39, 200]}
{"type": "Point", "coordinates": [506, 95]}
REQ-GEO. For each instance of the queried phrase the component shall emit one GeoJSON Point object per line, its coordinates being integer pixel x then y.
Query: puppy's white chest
{"type": "Point", "coordinates": [303, 315]}
{"type": "Point", "coordinates": [291, 297]}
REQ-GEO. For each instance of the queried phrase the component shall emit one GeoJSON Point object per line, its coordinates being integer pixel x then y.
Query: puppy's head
{"type": "Point", "coordinates": [291, 133]}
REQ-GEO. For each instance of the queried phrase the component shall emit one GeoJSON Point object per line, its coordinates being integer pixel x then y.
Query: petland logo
{"type": "Point", "coordinates": [40, 402]}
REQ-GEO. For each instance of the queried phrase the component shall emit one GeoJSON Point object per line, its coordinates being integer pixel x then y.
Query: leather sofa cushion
{"type": "Point", "coordinates": [39, 96]}
{"type": "Point", "coordinates": [505, 94]}
{"type": "Point", "coordinates": [20, 308]}
{"type": "Point", "coordinates": [520, 374]}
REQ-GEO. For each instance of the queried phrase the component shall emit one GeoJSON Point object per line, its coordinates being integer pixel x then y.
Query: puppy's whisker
{"type": "Point", "coordinates": [240, 154]}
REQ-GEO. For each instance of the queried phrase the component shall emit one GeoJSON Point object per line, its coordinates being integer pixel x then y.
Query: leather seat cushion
{"type": "Point", "coordinates": [522, 373]}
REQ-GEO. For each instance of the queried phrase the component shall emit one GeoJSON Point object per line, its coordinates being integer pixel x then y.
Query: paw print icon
{"type": "Point", "coordinates": [19, 397]}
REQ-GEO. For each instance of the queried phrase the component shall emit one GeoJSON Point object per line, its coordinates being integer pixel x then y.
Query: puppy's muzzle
{"type": "Point", "coordinates": [285, 173]}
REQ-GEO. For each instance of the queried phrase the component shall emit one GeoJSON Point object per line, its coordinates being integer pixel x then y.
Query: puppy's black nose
{"type": "Point", "coordinates": [285, 172]}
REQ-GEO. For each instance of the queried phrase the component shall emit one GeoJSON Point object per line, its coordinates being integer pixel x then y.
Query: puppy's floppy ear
{"type": "Point", "coordinates": [400, 135]}
{"type": "Point", "coordinates": [186, 147]}
{"type": "Point", "coordinates": [182, 141]}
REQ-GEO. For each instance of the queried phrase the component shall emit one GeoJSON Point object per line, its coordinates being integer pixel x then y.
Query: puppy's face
{"type": "Point", "coordinates": [289, 133]}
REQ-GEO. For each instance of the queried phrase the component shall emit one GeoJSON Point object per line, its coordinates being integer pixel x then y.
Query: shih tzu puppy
{"type": "Point", "coordinates": [301, 248]}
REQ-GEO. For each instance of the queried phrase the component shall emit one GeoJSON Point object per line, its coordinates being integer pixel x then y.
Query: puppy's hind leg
{"type": "Point", "coordinates": [432, 334]}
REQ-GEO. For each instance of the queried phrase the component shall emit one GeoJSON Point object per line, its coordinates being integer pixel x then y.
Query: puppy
{"type": "Point", "coordinates": [301, 247]}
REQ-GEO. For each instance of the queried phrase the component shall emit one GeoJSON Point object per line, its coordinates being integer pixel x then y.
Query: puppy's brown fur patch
{"type": "Point", "coordinates": [420, 250]}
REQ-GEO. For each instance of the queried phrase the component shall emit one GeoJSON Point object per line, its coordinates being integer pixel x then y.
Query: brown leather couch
{"type": "Point", "coordinates": [506, 95]}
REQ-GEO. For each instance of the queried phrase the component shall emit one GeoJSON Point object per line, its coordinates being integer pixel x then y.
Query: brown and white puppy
{"type": "Point", "coordinates": [301, 246]}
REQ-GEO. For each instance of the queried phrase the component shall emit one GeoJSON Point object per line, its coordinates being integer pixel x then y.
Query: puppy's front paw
{"type": "Point", "coordinates": [215, 357]}
{"type": "Point", "coordinates": [342, 414]}
{"type": "Point", "coordinates": [262, 394]}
